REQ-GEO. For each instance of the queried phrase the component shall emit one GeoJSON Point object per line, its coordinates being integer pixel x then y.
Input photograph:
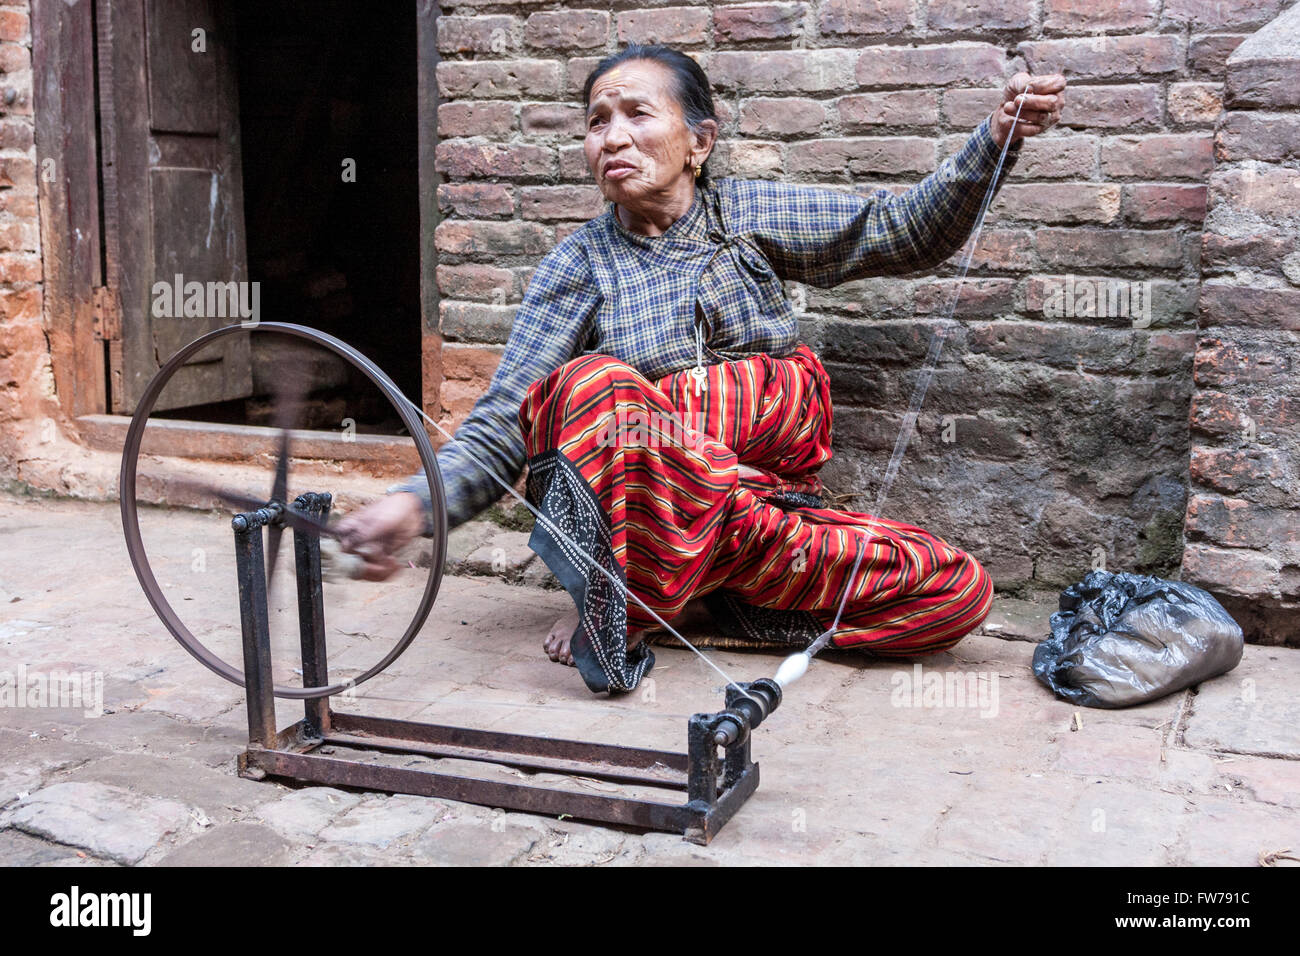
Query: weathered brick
{"type": "Point", "coordinates": [20, 267]}
{"type": "Point", "coordinates": [475, 119]}
{"type": "Point", "coordinates": [1158, 303]}
{"type": "Point", "coordinates": [1271, 137]}
{"type": "Point", "coordinates": [16, 94]}
{"type": "Point", "coordinates": [1272, 192]}
{"type": "Point", "coordinates": [552, 119]}
{"type": "Point", "coordinates": [1223, 303]}
{"type": "Point", "coordinates": [979, 296]}
{"type": "Point", "coordinates": [577, 70]}
{"type": "Point", "coordinates": [14, 58]}
{"type": "Point", "coordinates": [1146, 202]}
{"type": "Point", "coordinates": [561, 202]}
{"type": "Point", "coordinates": [877, 155]}
{"type": "Point", "coordinates": [467, 370]}
{"type": "Point", "coordinates": [1075, 16]}
{"type": "Point", "coordinates": [684, 26]}
{"type": "Point", "coordinates": [1263, 249]}
{"type": "Point", "coordinates": [894, 109]}
{"type": "Point", "coordinates": [17, 172]}
{"type": "Point", "coordinates": [1209, 53]}
{"type": "Point", "coordinates": [492, 78]}
{"type": "Point", "coordinates": [1217, 413]}
{"type": "Point", "coordinates": [14, 26]}
{"type": "Point", "coordinates": [567, 29]}
{"type": "Point", "coordinates": [1229, 571]}
{"type": "Point", "coordinates": [462, 159]}
{"type": "Point", "coordinates": [782, 71]}
{"type": "Point", "coordinates": [1162, 156]}
{"type": "Point", "coordinates": [459, 237]}
{"type": "Point", "coordinates": [1102, 57]}
{"type": "Point", "coordinates": [1253, 470]}
{"type": "Point", "coordinates": [1224, 364]}
{"type": "Point", "coordinates": [758, 21]}
{"type": "Point", "coordinates": [752, 159]}
{"type": "Point", "coordinates": [476, 200]}
{"type": "Point", "coordinates": [1057, 202]}
{"type": "Point", "coordinates": [1263, 84]}
{"type": "Point", "coordinates": [874, 16]}
{"type": "Point", "coordinates": [476, 281]}
{"type": "Point", "coordinates": [1112, 107]}
{"type": "Point", "coordinates": [15, 134]}
{"type": "Point", "coordinates": [18, 305]}
{"type": "Point", "coordinates": [1057, 156]}
{"type": "Point", "coordinates": [481, 34]}
{"type": "Point", "coordinates": [762, 116]}
{"type": "Point", "coordinates": [1084, 345]}
{"type": "Point", "coordinates": [573, 163]}
{"type": "Point", "coordinates": [1216, 14]}
{"type": "Point", "coordinates": [19, 204]}
{"type": "Point", "coordinates": [565, 229]}
{"type": "Point", "coordinates": [20, 237]}
{"type": "Point", "coordinates": [969, 108]}
{"type": "Point", "coordinates": [979, 15]}
{"type": "Point", "coordinates": [1240, 524]}
{"type": "Point", "coordinates": [1073, 248]}
{"type": "Point", "coordinates": [1195, 104]}
{"type": "Point", "coordinates": [1001, 248]}
{"type": "Point", "coordinates": [473, 322]}
{"type": "Point", "coordinates": [941, 65]}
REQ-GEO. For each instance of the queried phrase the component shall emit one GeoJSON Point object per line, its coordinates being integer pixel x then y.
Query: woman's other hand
{"type": "Point", "coordinates": [1041, 110]}
{"type": "Point", "coordinates": [380, 530]}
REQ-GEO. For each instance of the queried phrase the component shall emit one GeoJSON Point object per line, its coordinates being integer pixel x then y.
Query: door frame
{"type": "Point", "coordinates": [67, 163]}
{"type": "Point", "coordinates": [80, 312]}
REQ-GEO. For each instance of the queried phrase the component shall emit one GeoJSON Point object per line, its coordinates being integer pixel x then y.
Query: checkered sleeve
{"type": "Point", "coordinates": [549, 328]}
{"type": "Point", "coordinates": [823, 237]}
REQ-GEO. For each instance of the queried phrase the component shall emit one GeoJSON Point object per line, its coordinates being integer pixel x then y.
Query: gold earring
{"type": "Point", "coordinates": [697, 172]}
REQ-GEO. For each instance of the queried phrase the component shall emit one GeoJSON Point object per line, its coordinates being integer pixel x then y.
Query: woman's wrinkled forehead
{"type": "Point", "coordinates": [642, 80]}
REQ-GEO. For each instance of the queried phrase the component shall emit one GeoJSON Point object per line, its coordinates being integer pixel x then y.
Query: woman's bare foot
{"type": "Point", "coordinates": [556, 644]}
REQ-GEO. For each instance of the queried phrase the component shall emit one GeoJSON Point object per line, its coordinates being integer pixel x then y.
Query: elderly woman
{"type": "Point", "coordinates": [672, 425]}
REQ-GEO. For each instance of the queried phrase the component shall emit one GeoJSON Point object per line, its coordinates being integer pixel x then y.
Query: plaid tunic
{"type": "Point", "coordinates": [610, 291]}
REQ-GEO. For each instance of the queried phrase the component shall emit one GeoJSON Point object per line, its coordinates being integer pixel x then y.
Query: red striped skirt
{"type": "Point", "coordinates": [646, 478]}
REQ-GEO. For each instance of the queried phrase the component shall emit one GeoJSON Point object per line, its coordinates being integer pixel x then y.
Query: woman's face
{"type": "Point", "coordinates": [638, 146]}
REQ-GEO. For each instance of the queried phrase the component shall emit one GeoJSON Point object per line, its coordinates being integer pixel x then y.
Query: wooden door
{"type": "Point", "coordinates": [173, 196]}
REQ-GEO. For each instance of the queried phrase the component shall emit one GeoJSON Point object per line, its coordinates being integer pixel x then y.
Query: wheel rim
{"type": "Point", "coordinates": [131, 519]}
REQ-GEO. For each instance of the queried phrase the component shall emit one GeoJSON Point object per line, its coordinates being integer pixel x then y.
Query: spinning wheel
{"type": "Point", "coordinates": [333, 748]}
{"type": "Point", "coordinates": [275, 511]}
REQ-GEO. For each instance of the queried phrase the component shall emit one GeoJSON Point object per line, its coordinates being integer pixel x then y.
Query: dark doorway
{"type": "Point", "coordinates": [328, 88]}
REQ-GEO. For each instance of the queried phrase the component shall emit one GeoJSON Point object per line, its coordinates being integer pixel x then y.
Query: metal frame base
{"type": "Point", "coordinates": [716, 785]}
{"type": "Point", "coordinates": [297, 756]}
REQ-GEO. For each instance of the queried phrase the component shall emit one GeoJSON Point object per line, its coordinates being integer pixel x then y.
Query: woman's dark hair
{"type": "Point", "coordinates": [692, 85]}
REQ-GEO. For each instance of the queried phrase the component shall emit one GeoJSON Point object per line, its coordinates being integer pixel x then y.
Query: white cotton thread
{"type": "Point", "coordinates": [795, 665]}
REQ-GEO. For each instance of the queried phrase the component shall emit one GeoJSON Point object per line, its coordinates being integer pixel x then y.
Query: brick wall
{"type": "Point", "coordinates": [1069, 435]}
{"type": "Point", "coordinates": [1047, 445]}
{"type": "Point", "coordinates": [27, 395]}
{"type": "Point", "coordinates": [1243, 517]}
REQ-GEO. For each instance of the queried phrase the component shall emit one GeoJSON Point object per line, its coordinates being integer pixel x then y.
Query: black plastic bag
{"type": "Point", "coordinates": [1123, 639]}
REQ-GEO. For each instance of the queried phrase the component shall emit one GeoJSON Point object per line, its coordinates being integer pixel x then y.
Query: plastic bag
{"type": "Point", "coordinates": [1123, 639]}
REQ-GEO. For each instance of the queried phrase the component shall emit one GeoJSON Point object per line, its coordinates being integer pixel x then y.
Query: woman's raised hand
{"type": "Point", "coordinates": [1041, 110]}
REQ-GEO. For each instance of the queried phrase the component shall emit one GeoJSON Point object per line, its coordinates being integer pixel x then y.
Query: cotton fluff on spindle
{"type": "Point", "coordinates": [792, 668]}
